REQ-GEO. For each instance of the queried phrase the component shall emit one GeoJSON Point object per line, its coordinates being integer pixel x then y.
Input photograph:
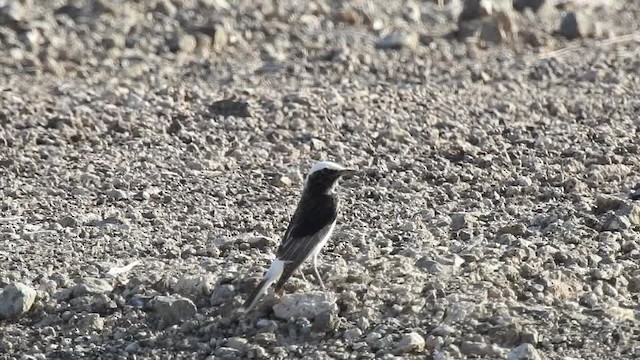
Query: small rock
{"type": "Point", "coordinates": [530, 335]}
{"type": "Point", "coordinates": [620, 314]}
{"type": "Point", "coordinates": [461, 221]}
{"type": "Point", "coordinates": [183, 43]}
{"type": "Point", "coordinates": [222, 294]}
{"type": "Point", "coordinates": [434, 267]}
{"type": "Point", "coordinates": [68, 221]}
{"type": "Point", "coordinates": [524, 352]}
{"type": "Point", "coordinates": [634, 285]}
{"type": "Point", "coordinates": [237, 343]}
{"type": "Point", "coordinates": [399, 40]}
{"type": "Point", "coordinates": [577, 24]}
{"type": "Point", "coordinates": [116, 195]}
{"type": "Point", "coordinates": [589, 300]}
{"type": "Point", "coordinates": [481, 349]}
{"type": "Point", "coordinates": [261, 242]}
{"type": "Point", "coordinates": [227, 353]}
{"type": "Point", "coordinates": [220, 38]}
{"type": "Point", "coordinates": [307, 305]}
{"type": "Point", "coordinates": [104, 304]}
{"type": "Point", "coordinates": [16, 300]}
{"type": "Point", "coordinates": [352, 335]}
{"type": "Point", "coordinates": [114, 41]}
{"type": "Point", "coordinates": [631, 212]}
{"type": "Point", "coordinates": [265, 338]}
{"type": "Point", "coordinates": [282, 181]}
{"type": "Point", "coordinates": [175, 127]}
{"type": "Point", "coordinates": [609, 290]}
{"type": "Point", "coordinates": [195, 285]}
{"type": "Point", "coordinates": [411, 342]}
{"type": "Point", "coordinates": [230, 107]}
{"type": "Point", "coordinates": [443, 331]}
{"type": "Point", "coordinates": [434, 342]}
{"type": "Point", "coordinates": [53, 67]}
{"type": "Point", "coordinates": [12, 13]}
{"type": "Point", "coordinates": [378, 341]}
{"type": "Point", "coordinates": [165, 7]}
{"type": "Point", "coordinates": [90, 323]}
{"type": "Point", "coordinates": [605, 203]}
{"type": "Point", "coordinates": [174, 308]}
{"type": "Point", "coordinates": [495, 29]}
{"type": "Point", "coordinates": [474, 9]}
{"type": "Point", "coordinates": [258, 352]}
{"type": "Point", "coordinates": [518, 229]}
{"type": "Point", "coordinates": [534, 5]}
{"type": "Point", "coordinates": [132, 348]}
{"type": "Point", "coordinates": [396, 133]}
{"type": "Point", "coordinates": [326, 322]}
{"type": "Point", "coordinates": [615, 222]}
{"type": "Point", "coordinates": [92, 286]}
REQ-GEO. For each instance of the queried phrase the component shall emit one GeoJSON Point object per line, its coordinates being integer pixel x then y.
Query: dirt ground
{"type": "Point", "coordinates": [153, 151]}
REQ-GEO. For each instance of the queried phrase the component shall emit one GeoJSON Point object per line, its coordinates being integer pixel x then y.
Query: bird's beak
{"type": "Point", "coordinates": [348, 172]}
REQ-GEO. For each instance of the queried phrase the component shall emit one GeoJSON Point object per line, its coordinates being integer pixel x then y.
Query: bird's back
{"type": "Point", "coordinates": [310, 225]}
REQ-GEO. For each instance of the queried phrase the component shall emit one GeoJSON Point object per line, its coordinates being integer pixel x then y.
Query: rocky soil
{"type": "Point", "coordinates": [152, 152]}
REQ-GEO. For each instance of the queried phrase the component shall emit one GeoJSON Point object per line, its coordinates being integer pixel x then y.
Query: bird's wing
{"type": "Point", "coordinates": [309, 225]}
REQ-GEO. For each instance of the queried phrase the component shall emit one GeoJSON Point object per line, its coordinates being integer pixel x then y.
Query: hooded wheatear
{"type": "Point", "coordinates": [310, 228]}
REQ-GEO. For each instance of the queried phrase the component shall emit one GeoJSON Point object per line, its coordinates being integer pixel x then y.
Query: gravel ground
{"type": "Point", "coordinates": [152, 152]}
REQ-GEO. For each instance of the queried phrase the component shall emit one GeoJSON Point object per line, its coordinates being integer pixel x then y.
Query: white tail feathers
{"type": "Point", "coordinates": [273, 274]}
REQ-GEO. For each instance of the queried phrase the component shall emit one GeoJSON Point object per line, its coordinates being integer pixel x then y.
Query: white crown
{"type": "Point", "coordinates": [325, 165]}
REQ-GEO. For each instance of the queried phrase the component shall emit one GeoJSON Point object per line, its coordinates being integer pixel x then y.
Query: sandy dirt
{"type": "Point", "coordinates": [152, 153]}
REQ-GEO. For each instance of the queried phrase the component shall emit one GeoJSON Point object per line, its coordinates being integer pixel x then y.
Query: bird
{"type": "Point", "coordinates": [309, 229]}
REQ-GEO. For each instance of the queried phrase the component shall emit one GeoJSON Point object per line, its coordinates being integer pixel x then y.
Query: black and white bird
{"type": "Point", "coordinates": [311, 226]}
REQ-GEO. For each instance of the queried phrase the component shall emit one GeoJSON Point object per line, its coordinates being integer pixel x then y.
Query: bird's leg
{"type": "Point", "coordinates": [315, 271]}
{"type": "Point", "coordinates": [302, 274]}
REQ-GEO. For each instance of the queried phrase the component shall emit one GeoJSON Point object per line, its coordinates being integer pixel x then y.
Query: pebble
{"type": "Point", "coordinates": [174, 308]}
{"type": "Point", "coordinates": [410, 343]}
{"type": "Point", "coordinates": [282, 181]}
{"type": "Point", "coordinates": [576, 24]}
{"type": "Point", "coordinates": [634, 285]}
{"type": "Point", "coordinates": [90, 322]}
{"type": "Point", "coordinates": [92, 286]}
{"type": "Point", "coordinates": [237, 343]}
{"type": "Point", "coordinates": [116, 195]}
{"type": "Point", "coordinates": [524, 352]}
{"type": "Point", "coordinates": [589, 300]}
{"type": "Point", "coordinates": [185, 43]}
{"type": "Point", "coordinates": [534, 5]}
{"type": "Point", "coordinates": [258, 352]}
{"type": "Point", "coordinates": [434, 267]}
{"type": "Point", "coordinates": [165, 7]}
{"type": "Point", "coordinates": [261, 242]}
{"type": "Point", "coordinates": [352, 335]}
{"type": "Point", "coordinates": [16, 300]}
{"type": "Point", "coordinates": [307, 305]}
{"type": "Point", "coordinates": [399, 40]}
{"type": "Point", "coordinates": [68, 221]}
{"type": "Point", "coordinates": [434, 342]}
{"type": "Point", "coordinates": [224, 352]}
{"type": "Point", "coordinates": [326, 322]}
{"type": "Point", "coordinates": [461, 221]}
{"type": "Point", "coordinates": [265, 338]}
{"type": "Point", "coordinates": [443, 330]}
{"type": "Point", "coordinates": [132, 347]}
{"type": "Point", "coordinates": [222, 294]}
{"type": "Point", "coordinates": [195, 285]}
{"type": "Point", "coordinates": [481, 349]}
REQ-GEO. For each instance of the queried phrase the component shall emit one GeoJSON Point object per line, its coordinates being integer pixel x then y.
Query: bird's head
{"type": "Point", "coordinates": [324, 175]}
